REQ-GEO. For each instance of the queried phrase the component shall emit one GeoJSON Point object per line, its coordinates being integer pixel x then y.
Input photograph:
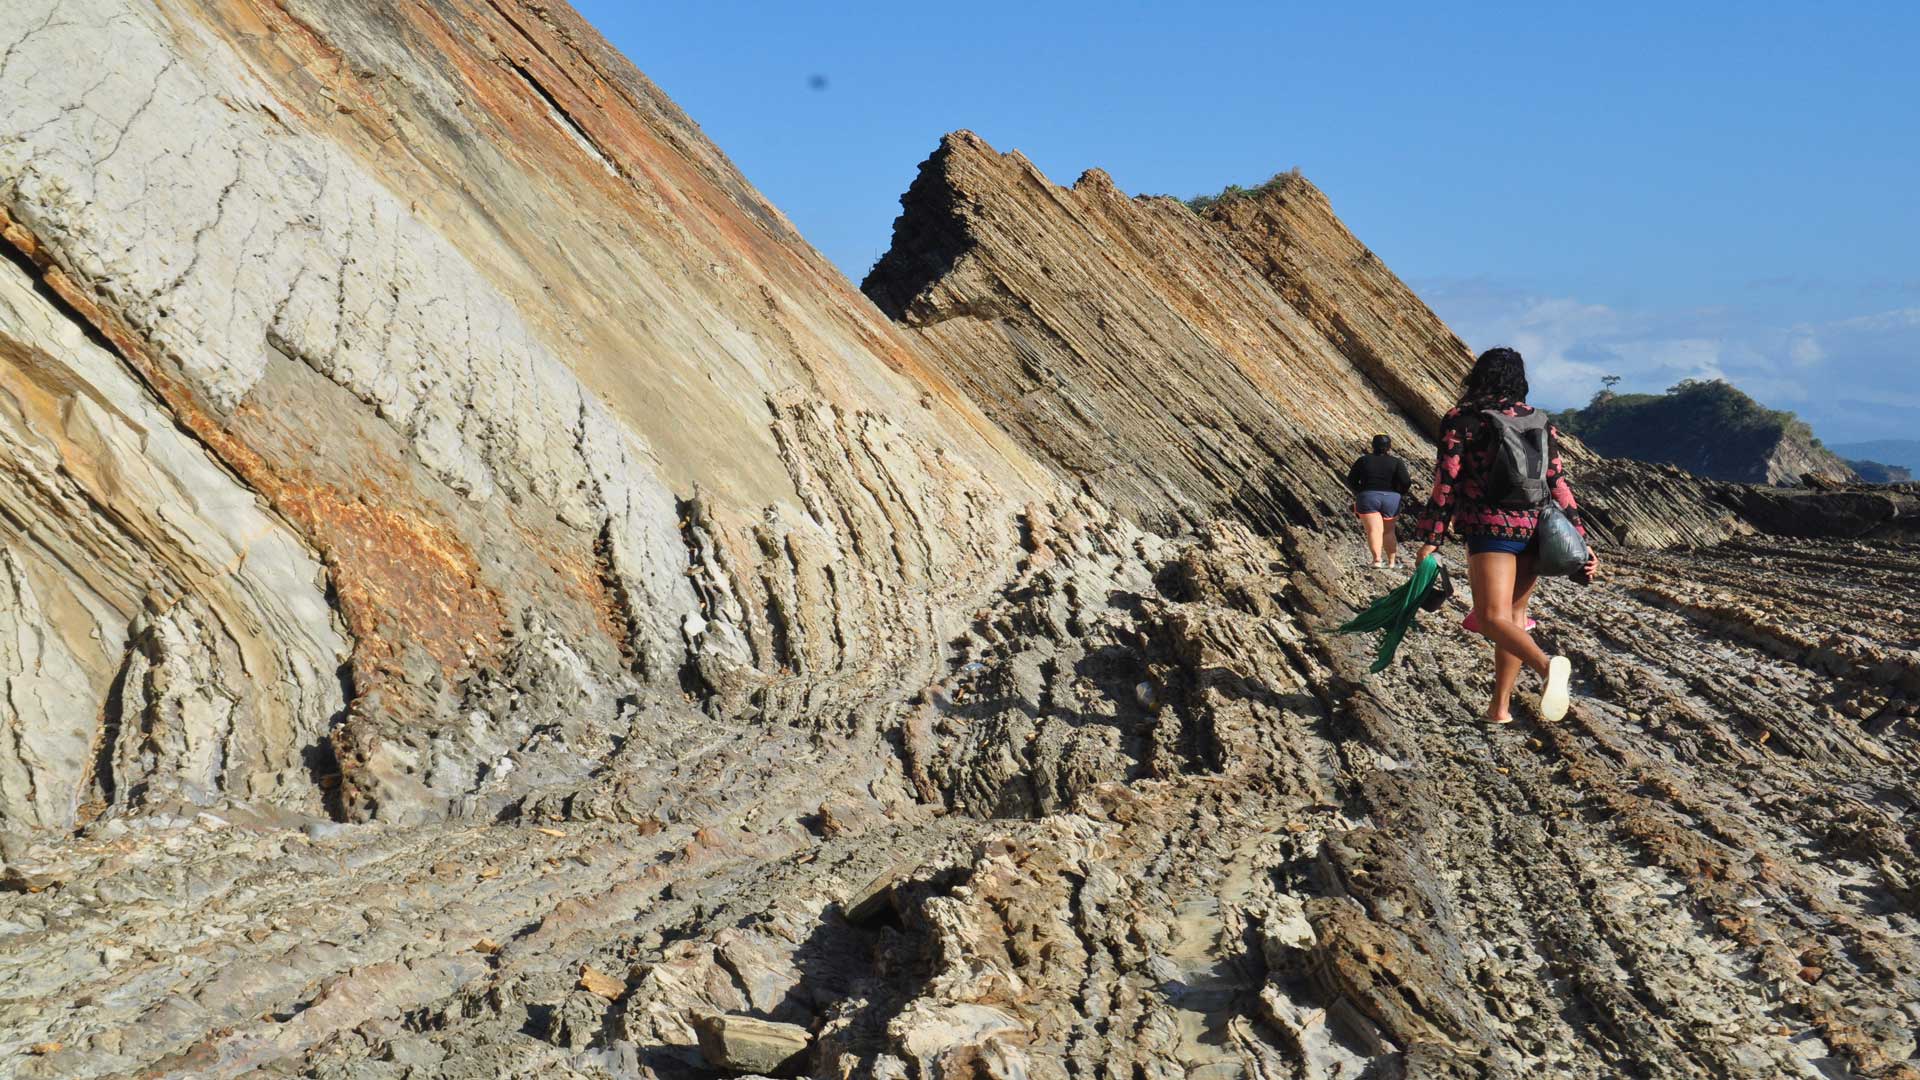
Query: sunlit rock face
{"type": "Point", "coordinates": [490, 354]}
{"type": "Point", "coordinates": [480, 596]}
{"type": "Point", "coordinates": [1129, 342]}
{"type": "Point", "coordinates": [1183, 365]}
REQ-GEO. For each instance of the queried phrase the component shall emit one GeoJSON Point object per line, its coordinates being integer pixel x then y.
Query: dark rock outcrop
{"type": "Point", "coordinates": [1710, 429]}
{"type": "Point", "coordinates": [1855, 512]}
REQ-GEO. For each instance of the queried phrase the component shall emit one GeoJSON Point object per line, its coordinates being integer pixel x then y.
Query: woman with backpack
{"type": "Point", "coordinates": [1498, 466]}
{"type": "Point", "coordinates": [1379, 480]}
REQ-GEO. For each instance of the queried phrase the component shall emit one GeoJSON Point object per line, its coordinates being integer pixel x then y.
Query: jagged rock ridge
{"type": "Point", "coordinates": [1126, 341]}
{"type": "Point", "coordinates": [483, 598]}
{"type": "Point", "coordinates": [1188, 366]}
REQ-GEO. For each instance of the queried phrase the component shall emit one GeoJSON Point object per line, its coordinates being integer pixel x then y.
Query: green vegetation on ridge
{"type": "Point", "coordinates": [1232, 193]}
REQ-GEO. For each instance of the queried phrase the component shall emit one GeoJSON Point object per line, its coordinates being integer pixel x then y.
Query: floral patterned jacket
{"type": "Point", "coordinates": [1459, 500]}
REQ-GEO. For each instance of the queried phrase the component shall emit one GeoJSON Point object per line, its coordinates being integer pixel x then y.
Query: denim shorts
{"type": "Point", "coordinates": [1384, 503]}
{"type": "Point", "coordinates": [1481, 545]}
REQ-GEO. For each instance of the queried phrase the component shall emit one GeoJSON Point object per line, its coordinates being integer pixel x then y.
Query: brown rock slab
{"type": "Point", "coordinates": [744, 1044]}
{"type": "Point", "coordinates": [598, 982]}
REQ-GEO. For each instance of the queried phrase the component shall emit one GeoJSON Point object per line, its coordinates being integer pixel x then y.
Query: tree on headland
{"type": "Point", "coordinates": [1606, 394]}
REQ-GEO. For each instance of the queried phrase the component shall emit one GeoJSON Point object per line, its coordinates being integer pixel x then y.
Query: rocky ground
{"type": "Point", "coordinates": [1157, 822]}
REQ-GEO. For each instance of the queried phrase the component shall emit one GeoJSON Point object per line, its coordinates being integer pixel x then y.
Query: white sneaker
{"type": "Point", "coordinates": [1557, 696]}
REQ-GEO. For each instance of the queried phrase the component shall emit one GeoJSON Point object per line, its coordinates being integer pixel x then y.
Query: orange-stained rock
{"type": "Point", "coordinates": [560, 405]}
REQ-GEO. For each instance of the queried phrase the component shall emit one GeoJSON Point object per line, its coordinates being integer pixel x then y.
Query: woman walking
{"type": "Point", "coordinates": [1475, 497]}
{"type": "Point", "coordinates": [1379, 480]}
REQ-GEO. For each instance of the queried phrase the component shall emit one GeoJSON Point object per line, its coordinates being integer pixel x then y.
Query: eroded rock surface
{"type": "Point", "coordinates": [483, 327]}
{"type": "Point", "coordinates": [480, 597]}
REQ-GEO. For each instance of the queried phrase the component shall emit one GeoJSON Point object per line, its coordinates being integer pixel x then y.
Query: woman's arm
{"type": "Point", "coordinates": [1437, 515]}
{"type": "Point", "coordinates": [1557, 482]}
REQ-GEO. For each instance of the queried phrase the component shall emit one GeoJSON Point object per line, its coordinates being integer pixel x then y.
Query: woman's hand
{"type": "Point", "coordinates": [1592, 567]}
{"type": "Point", "coordinates": [1425, 550]}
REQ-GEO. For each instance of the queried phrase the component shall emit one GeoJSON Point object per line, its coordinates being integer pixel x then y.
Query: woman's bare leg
{"type": "Point", "coordinates": [1371, 523]}
{"type": "Point", "coordinates": [1389, 540]}
{"type": "Point", "coordinates": [1506, 665]}
{"type": "Point", "coordinates": [1496, 581]}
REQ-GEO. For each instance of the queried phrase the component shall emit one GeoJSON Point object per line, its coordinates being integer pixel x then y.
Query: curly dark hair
{"type": "Point", "coordinates": [1498, 375]}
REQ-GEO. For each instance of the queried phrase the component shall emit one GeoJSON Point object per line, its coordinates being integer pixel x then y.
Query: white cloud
{"type": "Point", "coordinates": [1895, 320]}
{"type": "Point", "coordinates": [1803, 348]}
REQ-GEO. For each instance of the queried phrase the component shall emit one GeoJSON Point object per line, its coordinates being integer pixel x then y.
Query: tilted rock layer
{"type": "Point", "coordinates": [480, 596]}
{"type": "Point", "coordinates": [1125, 341]}
{"type": "Point", "coordinates": [506, 359]}
{"type": "Point", "coordinates": [1181, 366]}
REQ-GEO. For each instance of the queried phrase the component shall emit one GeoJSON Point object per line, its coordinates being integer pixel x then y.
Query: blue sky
{"type": "Point", "coordinates": [1653, 190]}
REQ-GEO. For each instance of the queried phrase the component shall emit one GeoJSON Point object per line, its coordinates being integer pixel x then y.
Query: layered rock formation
{"type": "Point", "coordinates": [1181, 366]}
{"type": "Point", "coordinates": [1128, 342]}
{"type": "Point", "coordinates": [482, 597]}
{"type": "Point", "coordinates": [1290, 235]}
{"type": "Point", "coordinates": [482, 378]}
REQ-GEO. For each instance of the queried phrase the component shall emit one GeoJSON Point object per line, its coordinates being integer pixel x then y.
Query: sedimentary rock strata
{"type": "Point", "coordinates": [361, 256]}
{"type": "Point", "coordinates": [482, 597]}
{"type": "Point", "coordinates": [1127, 342]}
{"type": "Point", "coordinates": [1291, 236]}
{"type": "Point", "coordinates": [1183, 366]}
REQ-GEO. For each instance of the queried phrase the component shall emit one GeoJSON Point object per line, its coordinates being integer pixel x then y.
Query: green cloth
{"type": "Point", "coordinates": [1394, 612]}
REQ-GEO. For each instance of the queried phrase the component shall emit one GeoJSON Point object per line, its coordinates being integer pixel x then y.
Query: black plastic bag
{"type": "Point", "coordinates": [1563, 551]}
{"type": "Point", "coordinates": [1438, 592]}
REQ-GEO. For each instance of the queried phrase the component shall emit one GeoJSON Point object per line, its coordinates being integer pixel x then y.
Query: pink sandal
{"type": "Point", "coordinates": [1472, 625]}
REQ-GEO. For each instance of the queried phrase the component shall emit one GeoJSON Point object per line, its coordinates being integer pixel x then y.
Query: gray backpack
{"type": "Point", "coordinates": [1521, 453]}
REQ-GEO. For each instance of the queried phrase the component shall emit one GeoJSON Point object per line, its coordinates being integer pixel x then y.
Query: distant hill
{"type": "Point", "coordinates": [1710, 429]}
{"type": "Point", "coordinates": [1902, 452]}
{"type": "Point", "coordinates": [1874, 472]}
